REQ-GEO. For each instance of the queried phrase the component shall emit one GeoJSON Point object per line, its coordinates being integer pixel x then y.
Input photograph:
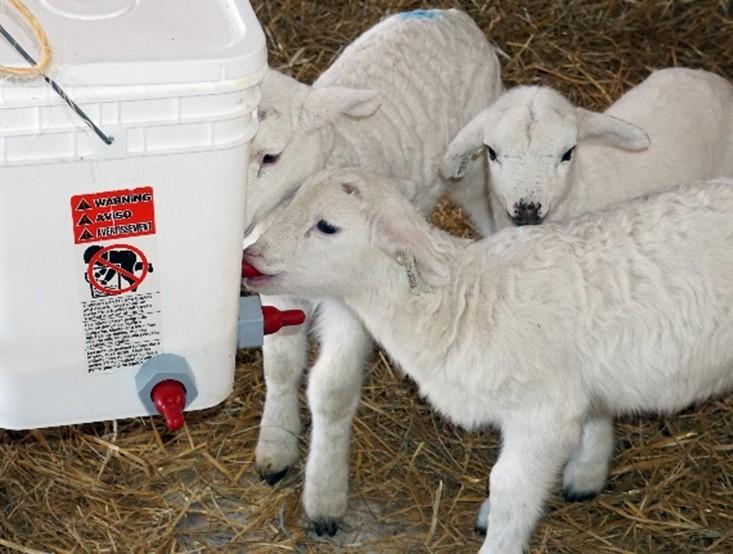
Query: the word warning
{"type": "Point", "coordinates": [114, 214]}
{"type": "Point", "coordinates": [114, 233]}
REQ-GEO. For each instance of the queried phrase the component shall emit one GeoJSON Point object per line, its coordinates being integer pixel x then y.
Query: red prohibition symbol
{"type": "Point", "coordinates": [104, 260]}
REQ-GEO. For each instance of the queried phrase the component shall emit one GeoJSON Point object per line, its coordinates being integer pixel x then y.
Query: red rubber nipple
{"type": "Point", "coordinates": [274, 319]}
{"type": "Point", "coordinates": [169, 397]}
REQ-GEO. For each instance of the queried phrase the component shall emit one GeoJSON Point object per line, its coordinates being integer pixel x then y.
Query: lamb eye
{"type": "Point", "coordinates": [326, 228]}
{"type": "Point", "coordinates": [492, 154]}
{"type": "Point", "coordinates": [269, 159]}
{"type": "Point", "coordinates": [567, 156]}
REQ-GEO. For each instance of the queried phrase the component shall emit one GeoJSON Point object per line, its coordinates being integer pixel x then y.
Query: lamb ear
{"type": "Point", "coordinates": [279, 91]}
{"type": "Point", "coordinates": [610, 130]}
{"type": "Point", "coordinates": [324, 104]}
{"type": "Point", "coordinates": [402, 234]}
{"type": "Point", "coordinates": [466, 146]}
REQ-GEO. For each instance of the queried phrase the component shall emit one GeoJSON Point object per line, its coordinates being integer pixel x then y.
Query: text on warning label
{"type": "Point", "coordinates": [115, 214]}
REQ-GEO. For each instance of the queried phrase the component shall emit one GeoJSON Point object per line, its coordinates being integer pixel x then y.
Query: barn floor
{"type": "Point", "coordinates": [416, 481]}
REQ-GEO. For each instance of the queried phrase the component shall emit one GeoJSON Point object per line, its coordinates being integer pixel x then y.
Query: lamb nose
{"type": "Point", "coordinates": [527, 213]}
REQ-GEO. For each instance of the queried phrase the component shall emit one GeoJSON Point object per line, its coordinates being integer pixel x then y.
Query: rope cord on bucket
{"type": "Point", "coordinates": [35, 25]}
{"type": "Point", "coordinates": [38, 68]}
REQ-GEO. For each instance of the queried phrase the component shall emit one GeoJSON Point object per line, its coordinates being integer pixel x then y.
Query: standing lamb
{"type": "Point", "coordinates": [549, 160]}
{"type": "Point", "coordinates": [392, 101]}
{"type": "Point", "coordinates": [536, 330]}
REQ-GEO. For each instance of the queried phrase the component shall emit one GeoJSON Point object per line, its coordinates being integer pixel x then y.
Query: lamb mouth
{"type": "Point", "coordinates": [253, 277]}
{"type": "Point", "coordinates": [256, 284]}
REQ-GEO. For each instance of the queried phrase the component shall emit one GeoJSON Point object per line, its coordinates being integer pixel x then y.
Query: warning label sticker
{"type": "Point", "coordinates": [118, 283]}
{"type": "Point", "coordinates": [121, 332]}
{"type": "Point", "coordinates": [113, 215]}
{"type": "Point", "coordinates": [115, 269]}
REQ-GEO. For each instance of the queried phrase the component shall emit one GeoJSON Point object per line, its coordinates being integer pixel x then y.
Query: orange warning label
{"type": "Point", "coordinates": [113, 214]}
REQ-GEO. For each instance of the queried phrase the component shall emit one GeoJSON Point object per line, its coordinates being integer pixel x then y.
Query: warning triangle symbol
{"type": "Point", "coordinates": [86, 235]}
{"type": "Point", "coordinates": [84, 220]}
{"type": "Point", "coordinates": [83, 205]}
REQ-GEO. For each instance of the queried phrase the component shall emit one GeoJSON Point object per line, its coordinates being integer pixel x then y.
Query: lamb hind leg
{"type": "Point", "coordinates": [284, 357]}
{"type": "Point", "coordinates": [334, 390]}
{"type": "Point", "coordinates": [586, 473]}
{"type": "Point", "coordinates": [482, 520]}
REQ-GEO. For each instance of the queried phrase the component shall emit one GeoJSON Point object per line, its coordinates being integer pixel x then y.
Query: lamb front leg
{"type": "Point", "coordinates": [334, 390]}
{"type": "Point", "coordinates": [534, 450]}
{"type": "Point", "coordinates": [284, 357]}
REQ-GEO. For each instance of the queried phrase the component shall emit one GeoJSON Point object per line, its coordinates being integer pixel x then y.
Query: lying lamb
{"type": "Point", "coordinates": [392, 101]}
{"type": "Point", "coordinates": [539, 330]}
{"type": "Point", "coordinates": [550, 160]}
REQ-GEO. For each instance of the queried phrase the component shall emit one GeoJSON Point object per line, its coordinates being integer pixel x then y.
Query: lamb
{"type": "Point", "coordinates": [549, 160]}
{"type": "Point", "coordinates": [392, 101]}
{"type": "Point", "coordinates": [541, 331]}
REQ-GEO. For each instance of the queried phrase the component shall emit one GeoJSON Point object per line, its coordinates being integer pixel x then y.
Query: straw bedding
{"type": "Point", "coordinates": [417, 481]}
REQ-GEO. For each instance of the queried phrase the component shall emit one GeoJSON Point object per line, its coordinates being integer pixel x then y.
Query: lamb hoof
{"type": "Point", "coordinates": [272, 478]}
{"type": "Point", "coordinates": [579, 496]}
{"type": "Point", "coordinates": [480, 530]}
{"type": "Point", "coordinates": [325, 527]}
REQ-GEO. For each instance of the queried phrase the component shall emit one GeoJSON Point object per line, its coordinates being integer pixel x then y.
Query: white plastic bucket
{"type": "Point", "coordinates": [113, 254]}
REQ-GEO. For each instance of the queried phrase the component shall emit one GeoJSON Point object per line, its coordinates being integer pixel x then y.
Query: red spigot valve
{"type": "Point", "coordinates": [248, 270]}
{"type": "Point", "coordinates": [274, 319]}
{"type": "Point", "coordinates": [169, 397]}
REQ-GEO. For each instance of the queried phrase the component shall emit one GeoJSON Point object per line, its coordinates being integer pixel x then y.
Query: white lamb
{"type": "Point", "coordinates": [392, 101]}
{"type": "Point", "coordinates": [551, 160]}
{"type": "Point", "coordinates": [537, 330]}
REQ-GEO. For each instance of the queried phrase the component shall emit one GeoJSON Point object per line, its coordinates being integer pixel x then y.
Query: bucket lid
{"type": "Point", "coordinates": [139, 42]}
